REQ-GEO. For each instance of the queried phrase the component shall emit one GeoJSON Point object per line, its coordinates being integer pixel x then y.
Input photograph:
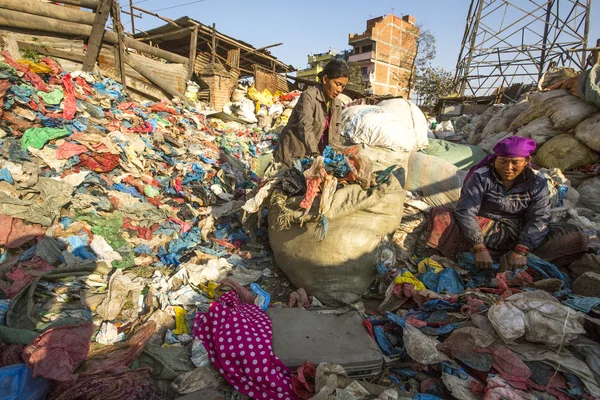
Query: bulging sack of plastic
{"type": "Point", "coordinates": [538, 317]}
{"type": "Point", "coordinates": [565, 152]}
{"type": "Point", "coordinates": [589, 194]}
{"type": "Point", "coordinates": [338, 269]}
{"type": "Point", "coordinates": [587, 132]}
{"type": "Point", "coordinates": [435, 180]}
{"type": "Point", "coordinates": [422, 348]}
{"type": "Point", "coordinates": [394, 124]}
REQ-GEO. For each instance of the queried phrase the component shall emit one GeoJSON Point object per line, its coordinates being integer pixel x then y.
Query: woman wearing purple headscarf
{"type": "Point", "coordinates": [505, 205]}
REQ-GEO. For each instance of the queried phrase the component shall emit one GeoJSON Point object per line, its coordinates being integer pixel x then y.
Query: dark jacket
{"type": "Point", "coordinates": [484, 195]}
{"type": "Point", "coordinates": [302, 134]}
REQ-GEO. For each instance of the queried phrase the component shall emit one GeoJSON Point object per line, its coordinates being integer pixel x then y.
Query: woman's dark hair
{"type": "Point", "coordinates": [335, 69]}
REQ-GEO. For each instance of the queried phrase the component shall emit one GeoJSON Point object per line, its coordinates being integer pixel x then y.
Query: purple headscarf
{"type": "Point", "coordinates": [514, 146]}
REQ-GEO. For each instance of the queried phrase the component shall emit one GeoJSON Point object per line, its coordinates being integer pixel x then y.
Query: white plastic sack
{"type": "Point", "coordinates": [538, 317]}
{"type": "Point", "coordinates": [588, 131]}
{"type": "Point", "coordinates": [394, 124]}
{"type": "Point", "coordinates": [422, 348]}
{"type": "Point", "coordinates": [589, 194]}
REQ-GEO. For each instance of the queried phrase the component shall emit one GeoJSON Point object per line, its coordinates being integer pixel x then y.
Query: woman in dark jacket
{"type": "Point", "coordinates": [505, 206]}
{"type": "Point", "coordinates": [315, 120]}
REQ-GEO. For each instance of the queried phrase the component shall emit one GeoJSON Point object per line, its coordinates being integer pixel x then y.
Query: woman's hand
{"type": "Point", "coordinates": [483, 259]}
{"type": "Point", "coordinates": [516, 261]}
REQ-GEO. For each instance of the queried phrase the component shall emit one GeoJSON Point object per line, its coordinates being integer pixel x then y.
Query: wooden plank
{"type": "Point", "coordinates": [95, 41]}
{"type": "Point", "coordinates": [20, 20]}
{"type": "Point", "coordinates": [193, 49]}
{"type": "Point", "coordinates": [166, 34]}
{"type": "Point", "coordinates": [120, 48]}
{"type": "Point", "coordinates": [49, 10]}
{"type": "Point", "coordinates": [93, 4]}
{"type": "Point", "coordinates": [233, 58]}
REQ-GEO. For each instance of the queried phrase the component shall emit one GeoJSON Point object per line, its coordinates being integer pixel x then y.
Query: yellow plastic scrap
{"type": "Point", "coordinates": [428, 262]}
{"type": "Point", "coordinates": [40, 68]}
{"type": "Point", "coordinates": [209, 289]}
{"type": "Point", "coordinates": [181, 327]}
{"type": "Point", "coordinates": [265, 97]}
{"type": "Point", "coordinates": [408, 277]}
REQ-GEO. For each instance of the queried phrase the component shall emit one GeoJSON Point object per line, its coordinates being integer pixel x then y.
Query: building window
{"type": "Point", "coordinates": [364, 70]}
{"type": "Point", "coordinates": [367, 49]}
{"type": "Point", "coordinates": [357, 50]}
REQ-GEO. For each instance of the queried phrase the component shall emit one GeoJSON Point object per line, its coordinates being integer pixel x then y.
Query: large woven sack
{"type": "Point", "coordinates": [589, 194]}
{"type": "Point", "coordinates": [540, 130]}
{"type": "Point", "coordinates": [437, 181]}
{"type": "Point", "coordinates": [482, 121]}
{"type": "Point", "coordinates": [538, 104]}
{"type": "Point", "coordinates": [397, 125]}
{"type": "Point", "coordinates": [589, 85]}
{"type": "Point", "coordinates": [463, 156]}
{"type": "Point", "coordinates": [588, 132]}
{"type": "Point", "coordinates": [339, 269]}
{"type": "Point", "coordinates": [569, 111]}
{"type": "Point", "coordinates": [383, 158]}
{"type": "Point", "coordinates": [490, 141]}
{"type": "Point", "coordinates": [502, 120]}
{"type": "Point", "coordinates": [565, 152]}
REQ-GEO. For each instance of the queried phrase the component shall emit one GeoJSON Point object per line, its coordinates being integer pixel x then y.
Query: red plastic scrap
{"type": "Point", "coordinates": [145, 127]}
{"type": "Point", "coordinates": [23, 273]}
{"type": "Point", "coordinates": [99, 162]}
{"type": "Point", "coordinates": [29, 75]}
{"type": "Point", "coordinates": [69, 149]}
{"type": "Point", "coordinates": [158, 107]}
{"type": "Point", "coordinates": [17, 123]}
{"type": "Point", "coordinates": [303, 383]}
{"type": "Point", "coordinates": [185, 227]}
{"type": "Point", "coordinates": [69, 103]}
{"type": "Point", "coordinates": [4, 86]}
{"type": "Point", "coordinates": [56, 69]}
{"type": "Point", "coordinates": [14, 232]}
{"type": "Point", "coordinates": [58, 352]}
{"type": "Point", "coordinates": [508, 364]}
{"type": "Point", "coordinates": [83, 84]}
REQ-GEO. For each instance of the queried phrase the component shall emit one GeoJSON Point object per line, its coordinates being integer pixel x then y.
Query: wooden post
{"type": "Point", "coordinates": [120, 48]}
{"type": "Point", "coordinates": [132, 17]}
{"type": "Point", "coordinates": [193, 47]}
{"type": "Point", "coordinates": [95, 41]}
{"type": "Point", "coordinates": [597, 53]}
{"type": "Point", "coordinates": [214, 44]}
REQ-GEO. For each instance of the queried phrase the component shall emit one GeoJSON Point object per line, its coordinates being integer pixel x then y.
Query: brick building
{"type": "Point", "coordinates": [386, 53]}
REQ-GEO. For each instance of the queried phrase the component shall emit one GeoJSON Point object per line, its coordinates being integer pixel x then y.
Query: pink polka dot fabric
{"type": "Point", "coordinates": [238, 339]}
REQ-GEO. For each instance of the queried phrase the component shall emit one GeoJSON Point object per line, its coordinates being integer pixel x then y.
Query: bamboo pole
{"type": "Point", "coordinates": [16, 19]}
{"type": "Point", "coordinates": [95, 42]}
{"type": "Point", "coordinates": [49, 10]}
{"type": "Point", "coordinates": [164, 35]}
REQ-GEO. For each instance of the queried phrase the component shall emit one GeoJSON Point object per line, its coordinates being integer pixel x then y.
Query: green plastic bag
{"type": "Point", "coordinates": [38, 137]}
{"type": "Point", "coordinates": [463, 156]}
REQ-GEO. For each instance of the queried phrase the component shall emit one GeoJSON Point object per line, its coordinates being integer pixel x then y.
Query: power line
{"type": "Point", "coordinates": [180, 5]}
{"type": "Point", "coordinates": [139, 2]}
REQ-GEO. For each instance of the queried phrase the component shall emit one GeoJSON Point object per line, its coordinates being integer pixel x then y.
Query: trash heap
{"type": "Point", "coordinates": [450, 328]}
{"type": "Point", "coordinates": [119, 220]}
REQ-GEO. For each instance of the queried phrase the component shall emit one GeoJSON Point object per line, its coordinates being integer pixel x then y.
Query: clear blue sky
{"type": "Point", "coordinates": [308, 26]}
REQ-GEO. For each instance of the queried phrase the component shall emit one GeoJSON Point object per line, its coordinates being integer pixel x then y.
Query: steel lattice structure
{"type": "Point", "coordinates": [508, 42]}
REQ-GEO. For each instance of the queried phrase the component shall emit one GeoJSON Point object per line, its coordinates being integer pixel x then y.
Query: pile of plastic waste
{"type": "Point", "coordinates": [119, 220]}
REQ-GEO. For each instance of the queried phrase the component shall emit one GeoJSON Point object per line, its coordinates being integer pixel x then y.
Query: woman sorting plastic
{"type": "Point", "coordinates": [505, 207]}
{"type": "Point", "coordinates": [315, 120]}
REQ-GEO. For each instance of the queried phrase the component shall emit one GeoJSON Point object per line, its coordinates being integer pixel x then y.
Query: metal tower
{"type": "Point", "coordinates": [508, 42]}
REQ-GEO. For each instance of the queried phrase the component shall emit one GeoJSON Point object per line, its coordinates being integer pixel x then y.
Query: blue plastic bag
{"type": "Point", "coordinates": [17, 383]}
